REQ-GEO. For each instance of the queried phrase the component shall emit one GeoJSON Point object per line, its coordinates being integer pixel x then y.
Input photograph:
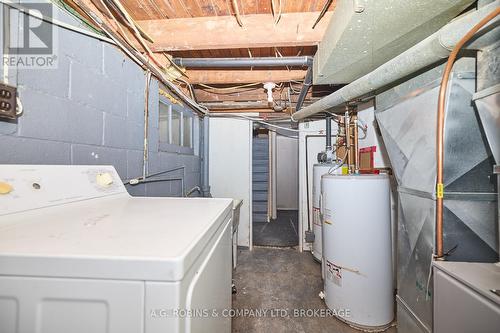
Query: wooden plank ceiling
{"type": "Point", "coordinates": [149, 13]}
{"type": "Point", "coordinates": [216, 29]}
{"type": "Point", "coordinates": [168, 9]}
{"type": "Point", "coordinates": [224, 32]}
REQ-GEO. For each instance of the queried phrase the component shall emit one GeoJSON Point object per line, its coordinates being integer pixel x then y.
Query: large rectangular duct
{"type": "Point", "coordinates": [406, 116]}
{"type": "Point", "coordinates": [487, 104]}
{"type": "Point", "coordinates": [364, 34]}
{"type": "Point", "coordinates": [428, 52]}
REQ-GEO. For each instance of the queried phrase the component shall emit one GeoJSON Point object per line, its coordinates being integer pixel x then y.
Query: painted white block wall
{"type": "Point", "coordinates": [381, 159]}
{"type": "Point", "coordinates": [287, 173]}
{"type": "Point", "coordinates": [90, 110]}
{"type": "Point", "coordinates": [230, 164]}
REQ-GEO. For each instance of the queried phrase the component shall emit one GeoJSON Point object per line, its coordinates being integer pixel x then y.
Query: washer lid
{"type": "Point", "coordinates": [115, 237]}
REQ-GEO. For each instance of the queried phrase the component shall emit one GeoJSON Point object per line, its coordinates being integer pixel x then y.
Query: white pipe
{"type": "Point", "coordinates": [205, 166]}
{"type": "Point", "coordinates": [5, 67]}
{"type": "Point", "coordinates": [273, 173]}
{"type": "Point", "coordinates": [146, 126]}
{"type": "Point", "coordinates": [429, 51]}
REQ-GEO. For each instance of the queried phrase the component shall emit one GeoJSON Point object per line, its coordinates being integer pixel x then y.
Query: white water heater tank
{"type": "Point", "coordinates": [318, 171]}
{"type": "Point", "coordinates": [357, 249]}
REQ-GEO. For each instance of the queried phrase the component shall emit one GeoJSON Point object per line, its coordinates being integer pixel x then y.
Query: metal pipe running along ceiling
{"type": "Point", "coordinates": [304, 61]}
{"type": "Point", "coordinates": [429, 51]}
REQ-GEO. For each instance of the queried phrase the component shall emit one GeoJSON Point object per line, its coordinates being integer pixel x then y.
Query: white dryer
{"type": "Point", "coordinates": [79, 254]}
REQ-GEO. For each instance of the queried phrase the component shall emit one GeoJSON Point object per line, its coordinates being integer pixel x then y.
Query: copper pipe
{"type": "Point", "coordinates": [347, 124]}
{"type": "Point", "coordinates": [356, 139]}
{"type": "Point", "coordinates": [440, 129]}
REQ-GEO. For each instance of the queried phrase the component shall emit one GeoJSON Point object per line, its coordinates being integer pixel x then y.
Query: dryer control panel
{"type": "Point", "coordinates": [26, 187]}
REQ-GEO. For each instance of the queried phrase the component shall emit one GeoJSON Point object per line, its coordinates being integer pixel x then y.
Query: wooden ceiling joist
{"type": "Point", "coordinates": [243, 76]}
{"type": "Point", "coordinates": [153, 9]}
{"type": "Point", "coordinates": [260, 111]}
{"type": "Point", "coordinates": [237, 105]}
{"type": "Point", "coordinates": [257, 94]}
{"type": "Point", "coordinates": [223, 32]}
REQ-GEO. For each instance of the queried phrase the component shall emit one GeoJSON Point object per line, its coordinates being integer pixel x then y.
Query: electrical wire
{"type": "Point", "coordinates": [260, 121]}
{"type": "Point", "coordinates": [363, 126]}
{"type": "Point", "coordinates": [365, 132]}
{"type": "Point", "coordinates": [276, 16]}
{"type": "Point", "coordinates": [136, 32]}
{"type": "Point", "coordinates": [189, 86]}
{"type": "Point", "coordinates": [323, 12]}
{"type": "Point", "coordinates": [122, 32]}
{"type": "Point", "coordinates": [285, 135]}
{"type": "Point", "coordinates": [172, 62]}
{"type": "Point", "coordinates": [338, 165]}
{"type": "Point", "coordinates": [19, 107]}
{"type": "Point", "coordinates": [94, 33]}
{"type": "Point", "coordinates": [429, 278]}
{"type": "Point", "coordinates": [229, 88]}
{"type": "Point", "coordinates": [137, 180]}
{"type": "Point", "coordinates": [136, 56]}
{"type": "Point", "coordinates": [277, 53]}
{"type": "Point", "coordinates": [64, 6]}
{"type": "Point", "coordinates": [291, 86]}
{"type": "Point", "coordinates": [121, 9]}
{"type": "Point", "coordinates": [237, 12]}
{"type": "Point", "coordinates": [229, 92]}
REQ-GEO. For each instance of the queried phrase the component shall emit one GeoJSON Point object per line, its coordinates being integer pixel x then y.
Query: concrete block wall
{"type": "Point", "coordinates": [90, 110]}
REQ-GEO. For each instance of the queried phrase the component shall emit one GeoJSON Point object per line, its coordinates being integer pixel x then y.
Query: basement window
{"type": "Point", "coordinates": [175, 127]}
{"type": "Point", "coordinates": [164, 123]}
{"type": "Point", "coordinates": [187, 132]}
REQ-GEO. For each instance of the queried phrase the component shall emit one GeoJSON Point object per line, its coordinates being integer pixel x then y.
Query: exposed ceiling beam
{"type": "Point", "coordinates": [243, 76]}
{"type": "Point", "coordinates": [206, 95]}
{"type": "Point", "coordinates": [223, 32]}
{"type": "Point", "coordinates": [260, 111]}
{"type": "Point", "coordinates": [258, 94]}
{"type": "Point", "coordinates": [237, 105]}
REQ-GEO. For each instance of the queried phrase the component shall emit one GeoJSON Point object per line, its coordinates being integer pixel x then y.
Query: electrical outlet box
{"type": "Point", "coordinates": [310, 236]}
{"type": "Point", "coordinates": [7, 101]}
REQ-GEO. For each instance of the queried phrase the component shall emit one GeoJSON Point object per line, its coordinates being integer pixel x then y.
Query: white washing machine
{"type": "Point", "coordinates": [79, 254]}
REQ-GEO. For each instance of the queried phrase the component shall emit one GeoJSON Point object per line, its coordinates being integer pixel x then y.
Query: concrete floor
{"type": "Point", "coordinates": [274, 278]}
{"type": "Point", "coordinates": [282, 232]}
